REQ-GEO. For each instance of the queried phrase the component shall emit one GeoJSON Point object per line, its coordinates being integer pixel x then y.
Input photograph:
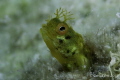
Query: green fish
{"type": "Point", "coordinates": [66, 45]}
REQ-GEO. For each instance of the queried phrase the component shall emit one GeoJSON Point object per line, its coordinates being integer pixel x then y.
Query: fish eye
{"type": "Point", "coordinates": [62, 28]}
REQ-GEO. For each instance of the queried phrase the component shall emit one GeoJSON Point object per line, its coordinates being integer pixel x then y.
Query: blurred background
{"type": "Point", "coordinates": [23, 53]}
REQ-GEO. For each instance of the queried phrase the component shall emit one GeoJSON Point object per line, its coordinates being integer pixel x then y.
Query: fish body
{"type": "Point", "coordinates": [66, 45]}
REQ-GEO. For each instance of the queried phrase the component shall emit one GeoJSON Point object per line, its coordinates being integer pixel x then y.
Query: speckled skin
{"type": "Point", "coordinates": [66, 45]}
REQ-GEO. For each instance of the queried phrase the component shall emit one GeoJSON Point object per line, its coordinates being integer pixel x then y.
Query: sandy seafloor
{"type": "Point", "coordinates": [23, 53]}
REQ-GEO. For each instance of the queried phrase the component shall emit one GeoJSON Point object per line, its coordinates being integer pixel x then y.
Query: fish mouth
{"type": "Point", "coordinates": [45, 34]}
{"type": "Point", "coordinates": [48, 39]}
